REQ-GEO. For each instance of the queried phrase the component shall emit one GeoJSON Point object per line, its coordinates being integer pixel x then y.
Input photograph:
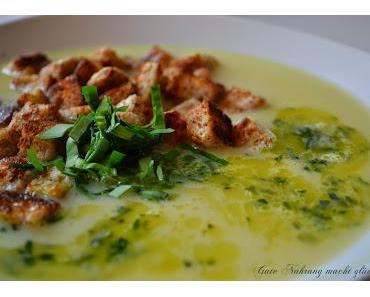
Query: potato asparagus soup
{"type": "Point", "coordinates": [175, 164]}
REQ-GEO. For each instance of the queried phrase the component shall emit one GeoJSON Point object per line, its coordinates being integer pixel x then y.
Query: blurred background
{"type": "Point", "coordinates": [350, 30]}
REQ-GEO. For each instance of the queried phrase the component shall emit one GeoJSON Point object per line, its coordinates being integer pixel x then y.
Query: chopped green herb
{"type": "Point", "coordinates": [56, 131]}
{"type": "Point", "coordinates": [33, 159]}
{"type": "Point", "coordinates": [120, 190]}
{"type": "Point", "coordinates": [91, 96]}
{"type": "Point", "coordinates": [81, 127]}
{"type": "Point", "coordinates": [117, 247]}
{"type": "Point", "coordinates": [205, 154]}
{"type": "Point", "coordinates": [115, 159]}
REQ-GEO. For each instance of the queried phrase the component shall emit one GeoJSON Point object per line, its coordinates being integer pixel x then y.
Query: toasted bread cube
{"type": "Point", "coordinates": [174, 120]}
{"type": "Point", "coordinates": [6, 114]}
{"type": "Point", "coordinates": [13, 179]}
{"type": "Point", "coordinates": [66, 93]}
{"type": "Point", "coordinates": [192, 63]}
{"type": "Point", "coordinates": [46, 150]}
{"type": "Point", "coordinates": [149, 75]}
{"type": "Point", "coordinates": [107, 57]}
{"type": "Point", "coordinates": [239, 100]}
{"type": "Point", "coordinates": [8, 142]}
{"type": "Point", "coordinates": [25, 209]}
{"type": "Point", "coordinates": [84, 70]}
{"type": "Point", "coordinates": [184, 107]}
{"type": "Point", "coordinates": [69, 115]}
{"type": "Point", "coordinates": [208, 126]}
{"type": "Point", "coordinates": [25, 83]}
{"type": "Point", "coordinates": [56, 71]}
{"type": "Point", "coordinates": [107, 78]}
{"type": "Point", "coordinates": [159, 56]}
{"type": "Point", "coordinates": [119, 93]}
{"type": "Point", "coordinates": [138, 111]}
{"type": "Point", "coordinates": [26, 64]}
{"type": "Point", "coordinates": [187, 86]}
{"type": "Point", "coordinates": [51, 184]}
{"type": "Point", "coordinates": [35, 97]}
{"type": "Point", "coordinates": [250, 134]}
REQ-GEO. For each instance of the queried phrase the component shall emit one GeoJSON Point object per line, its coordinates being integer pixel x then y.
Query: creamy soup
{"type": "Point", "coordinates": [303, 201]}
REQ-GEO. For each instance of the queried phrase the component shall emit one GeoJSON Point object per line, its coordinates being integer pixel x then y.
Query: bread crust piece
{"type": "Point", "coordinates": [248, 133]}
{"type": "Point", "coordinates": [25, 209]}
{"type": "Point", "coordinates": [26, 64]}
{"type": "Point", "coordinates": [8, 142]}
{"type": "Point", "coordinates": [149, 75]}
{"type": "Point", "coordinates": [138, 111]}
{"type": "Point", "coordinates": [108, 57]}
{"type": "Point", "coordinates": [84, 70]}
{"type": "Point", "coordinates": [184, 107]}
{"type": "Point", "coordinates": [239, 100]}
{"type": "Point", "coordinates": [14, 180]}
{"type": "Point", "coordinates": [46, 150]}
{"type": "Point", "coordinates": [121, 92]}
{"type": "Point", "coordinates": [174, 120]}
{"type": "Point", "coordinates": [69, 115]}
{"type": "Point", "coordinates": [107, 78]}
{"type": "Point", "coordinates": [66, 93]}
{"type": "Point", "coordinates": [35, 97]}
{"type": "Point", "coordinates": [208, 126]}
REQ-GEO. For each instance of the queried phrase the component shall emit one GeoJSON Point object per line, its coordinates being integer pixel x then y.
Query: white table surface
{"type": "Point", "coordinates": [350, 30]}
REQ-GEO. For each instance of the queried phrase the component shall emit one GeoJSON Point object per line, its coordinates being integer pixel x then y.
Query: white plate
{"type": "Point", "coordinates": [347, 67]}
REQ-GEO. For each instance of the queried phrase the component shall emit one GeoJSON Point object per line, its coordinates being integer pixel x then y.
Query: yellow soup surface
{"type": "Point", "coordinates": [304, 201]}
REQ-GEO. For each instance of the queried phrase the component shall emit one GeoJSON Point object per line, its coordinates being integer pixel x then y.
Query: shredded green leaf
{"type": "Point", "coordinates": [32, 159]}
{"type": "Point", "coordinates": [56, 131]}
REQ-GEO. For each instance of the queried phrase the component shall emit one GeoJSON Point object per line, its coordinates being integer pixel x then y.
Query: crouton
{"type": "Point", "coordinates": [25, 83]}
{"type": "Point", "coordinates": [25, 209]}
{"type": "Point", "coordinates": [149, 75]}
{"type": "Point", "coordinates": [107, 78]}
{"type": "Point", "coordinates": [8, 142]}
{"type": "Point", "coordinates": [202, 72]}
{"type": "Point", "coordinates": [6, 113]}
{"type": "Point", "coordinates": [174, 120]}
{"type": "Point", "coordinates": [66, 93]}
{"type": "Point", "coordinates": [249, 133]}
{"type": "Point", "coordinates": [119, 93]}
{"type": "Point", "coordinates": [46, 150]}
{"type": "Point", "coordinates": [56, 71]}
{"type": "Point", "coordinates": [138, 111]}
{"type": "Point", "coordinates": [108, 57]}
{"type": "Point", "coordinates": [35, 97]}
{"type": "Point", "coordinates": [84, 70]}
{"type": "Point", "coordinates": [184, 107]}
{"type": "Point", "coordinates": [159, 56]}
{"type": "Point", "coordinates": [32, 112]}
{"type": "Point", "coordinates": [208, 126]}
{"type": "Point", "coordinates": [194, 62]}
{"type": "Point", "coordinates": [14, 179]}
{"type": "Point", "coordinates": [51, 184]}
{"type": "Point", "coordinates": [186, 86]}
{"type": "Point", "coordinates": [69, 115]}
{"type": "Point", "coordinates": [26, 64]}
{"type": "Point", "coordinates": [239, 100]}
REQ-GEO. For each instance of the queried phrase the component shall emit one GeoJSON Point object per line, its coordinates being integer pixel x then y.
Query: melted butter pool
{"type": "Point", "coordinates": [304, 201]}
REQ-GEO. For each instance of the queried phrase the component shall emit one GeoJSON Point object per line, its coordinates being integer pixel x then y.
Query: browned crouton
{"type": "Point", "coordinates": [159, 56]}
{"type": "Point", "coordinates": [26, 64]}
{"type": "Point", "coordinates": [46, 150]}
{"type": "Point", "coordinates": [184, 107]}
{"type": "Point", "coordinates": [69, 115]}
{"type": "Point", "coordinates": [14, 179]}
{"type": "Point", "coordinates": [202, 72]}
{"type": "Point", "coordinates": [149, 75]}
{"type": "Point", "coordinates": [25, 83]}
{"type": "Point", "coordinates": [66, 93]}
{"type": "Point", "coordinates": [249, 133]}
{"type": "Point", "coordinates": [84, 70]}
{"type": "Point", "coordinates": [25, 209]}
{"type": "Point", "coordinates": [35, 97]}
{"type": "Point", "coordinates": [51, 184]}
{"type": "Point", "coordinates": [208, 126]}
{"type": "Point", "coordinates": [119, 93]}
{"type": "Point", "coordinates": [186, 86]}
{"type": "Point", "coordinates": [56, 71]}
{"type": "Point", "coordinates": [175, 121]}
{"type": "Point", "coordinates": [138, 111]}
{"type": "Point", "coordinates": [108, 57]}
{"type": "Point", "coordinates": [239, 100]}
{"type": "Point", "coordinates": [32, 112]}
{"type": "Point", "coordinates": [107, 78]}
{"type": "Point", "coordinates": [8, 142]}
{"type": "Point", "coordinates": [191, 63]}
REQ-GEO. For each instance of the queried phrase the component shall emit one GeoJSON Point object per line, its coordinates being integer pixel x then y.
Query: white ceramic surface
{"type": "Point", "coordinates": [347, 67]}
